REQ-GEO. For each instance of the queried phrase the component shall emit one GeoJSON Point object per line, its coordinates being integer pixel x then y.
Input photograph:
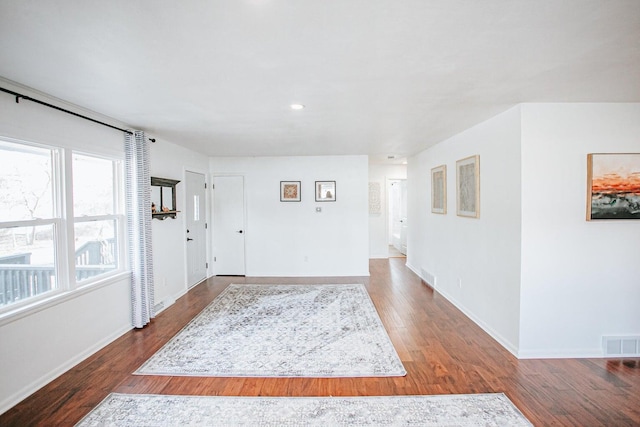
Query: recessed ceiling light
{"type": "Point", "coordinates": [297, 106]}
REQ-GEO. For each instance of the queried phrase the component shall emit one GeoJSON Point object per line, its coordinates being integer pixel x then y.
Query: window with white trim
{"type": "Point", "coordinates": [96, 200]}
{"type": "Point", "coordinates": [61, 222]}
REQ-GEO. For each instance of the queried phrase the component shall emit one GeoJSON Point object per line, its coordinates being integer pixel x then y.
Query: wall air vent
{"type": "Point", "coordinates": [429, 278]}
{"type": "Point", "coordinates": [621, 346]}
{"type": "Point", "coordinates": [159, 307]}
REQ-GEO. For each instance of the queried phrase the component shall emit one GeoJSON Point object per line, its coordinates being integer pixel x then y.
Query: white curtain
{"type": "Point", "coordinates": [138, 210]}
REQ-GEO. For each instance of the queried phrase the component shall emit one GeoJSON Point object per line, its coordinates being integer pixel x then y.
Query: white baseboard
{"type": "Point", "coordinates": [168, 301]}
{"type": "Point", "coordinates": [36, 385]}
{"type": "Point", "coordinates": [414, 269]}
{"type": "Point", "coordinates": [587, 353]}
{"type": "Point", "coordinates": [492, 333]}
{"type": "Point", "coordinates": [510, 347]}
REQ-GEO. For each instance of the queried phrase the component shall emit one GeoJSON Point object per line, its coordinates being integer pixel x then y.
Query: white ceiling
{"type": "Point", "coordinates": [378, 77]}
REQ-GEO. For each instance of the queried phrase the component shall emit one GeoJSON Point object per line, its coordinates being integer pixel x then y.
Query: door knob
{"type": "Point", "coordinates": [239, 231]}
{"type": "Point", "coordinates": [188, 239]}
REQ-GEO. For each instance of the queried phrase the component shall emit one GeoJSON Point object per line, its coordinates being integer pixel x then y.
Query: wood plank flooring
{"type": "Point", "coordinates": [442, 350]}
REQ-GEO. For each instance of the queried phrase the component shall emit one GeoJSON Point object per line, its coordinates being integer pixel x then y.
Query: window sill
{"type": "Point", "coordinates": [59, 298]}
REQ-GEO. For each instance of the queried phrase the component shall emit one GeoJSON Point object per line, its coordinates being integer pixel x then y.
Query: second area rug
{"type": "Point", "coordinates": [465, 410]}
{"type": "Point", "coordinates": [282, 331]}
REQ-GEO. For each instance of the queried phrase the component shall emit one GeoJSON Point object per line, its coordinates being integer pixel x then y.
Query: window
{"type": "Point", "coordinates": [28, 222]}
{"type": "Point", "coordinates": [38, 224]}
{"type": "Point", "coordinates": [95, 205]}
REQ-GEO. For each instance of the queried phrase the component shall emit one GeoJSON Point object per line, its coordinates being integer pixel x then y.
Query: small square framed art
{"type": "Point", "coordinates": [290, 191]}
{"type": "Point", "coordinates": [325, 191]}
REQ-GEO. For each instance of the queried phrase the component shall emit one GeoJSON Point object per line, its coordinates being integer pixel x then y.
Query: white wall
{"type": "Point", "coordinates": [580, 280]}
{"type": "Point", "coordinates": [169, 236]}
{"type": "Point", "coordinates": [291, 239]}
{"type": "Point", "coordinates": [35, 349]}
{"type": "Point", "coordinates": [535, 274]}
{"type": "Point", "coordinates": [476, 262]}
{"type": "Point", "coordinates": [379, 223]}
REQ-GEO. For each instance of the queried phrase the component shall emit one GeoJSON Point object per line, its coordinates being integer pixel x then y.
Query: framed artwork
{"type": "Point", "coordinates": [325, 191]}
{"type": "Point", "coordinates": [289, 191]}
{"type": "Point", "coordinates": [439, 189]}
{"type": "Point", "coordinates": [468, 187]}
{"type": "Point", "coordinates": [613, 186]}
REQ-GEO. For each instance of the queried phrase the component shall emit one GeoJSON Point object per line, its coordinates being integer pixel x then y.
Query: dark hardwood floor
{"type": "Point", "coordinates": [442, 350]}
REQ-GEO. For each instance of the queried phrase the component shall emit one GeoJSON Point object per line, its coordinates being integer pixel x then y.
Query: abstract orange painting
{"type": "Point", "coordinates": [613, 186]}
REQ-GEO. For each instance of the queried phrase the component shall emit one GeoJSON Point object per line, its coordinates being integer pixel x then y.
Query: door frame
{"type": "Point", "coordinates": [206, 231]}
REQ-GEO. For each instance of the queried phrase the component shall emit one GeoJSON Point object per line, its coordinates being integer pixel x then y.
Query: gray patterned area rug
{"type": "Point", "coordinates": [282, 331]}
{"type": "Point", "coordinates": [441, 410]}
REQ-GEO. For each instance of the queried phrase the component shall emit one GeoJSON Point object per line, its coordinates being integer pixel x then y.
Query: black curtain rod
{"type": "Point", "coordinates": [46, 104]}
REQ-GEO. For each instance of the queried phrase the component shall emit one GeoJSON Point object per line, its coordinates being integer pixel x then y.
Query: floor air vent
{"type": "Point", "coordinates": [621, 346]}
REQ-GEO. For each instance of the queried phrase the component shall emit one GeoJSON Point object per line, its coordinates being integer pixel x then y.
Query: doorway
{"type": "Point", "coordinates": [397, 227]}
{"type": "Point", "coordinates": [196, 228]}
{"type": "Point", "coordinates": [228, 226]}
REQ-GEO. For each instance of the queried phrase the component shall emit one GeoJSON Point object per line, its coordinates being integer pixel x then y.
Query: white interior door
{"type": "Point", "coordinates": [228, 225]}
{"type": "Point", "coordinates": [196, 228]}
{"type": "Point", "coordinates": [398, 215]}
